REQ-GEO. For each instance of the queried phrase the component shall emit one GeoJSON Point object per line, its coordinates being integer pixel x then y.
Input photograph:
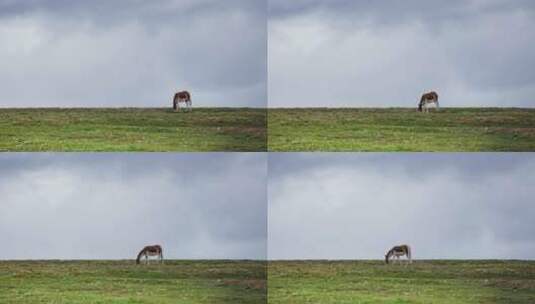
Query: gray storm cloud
{"type": "Point", "coordinates": [132, 53]}
{"type": "Point", "coordinates": [106, 206]}
{"type": "Point", "coordinates": [346, 206]}
{"type": "Point", "coordinates": [386, 53]}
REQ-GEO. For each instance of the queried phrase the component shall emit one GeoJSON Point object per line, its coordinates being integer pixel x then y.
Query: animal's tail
{"type": "Point", "coordinates": [174, 102]}
{"type": "Point", "coordinates": [409, 254]}
{"type": "Point", "coordinates": [139, 255]}
{"type": "Point", "coordinates": [161, 254]}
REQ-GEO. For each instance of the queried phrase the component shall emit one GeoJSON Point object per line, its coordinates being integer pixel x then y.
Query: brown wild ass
{"type": "Point", "coordinates": [428, 99]}
{"type": "Point", "coordinates": [397, 252]}
{"type": "Point", "coordinates": [182, 96]}
{"type": "Point", "coordinates": [154, 250]}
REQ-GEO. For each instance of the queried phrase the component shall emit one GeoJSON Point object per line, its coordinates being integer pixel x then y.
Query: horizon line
{"type": "Point", "coordinates": [269, 107]}
{"type": "Point", "coordinates": [129, 259]}
{"type": "Point", "coordinates": [414, 260]}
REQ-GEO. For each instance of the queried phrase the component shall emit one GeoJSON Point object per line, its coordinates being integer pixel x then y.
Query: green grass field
{"type": "Point", "coordinates": [455, 282]}
{"type": "Point", "coordinates": [133, 129]}
{"type": "Point", "coordinates": [401, 129]}
{"type": "Point", "coordinates": [117, 282]}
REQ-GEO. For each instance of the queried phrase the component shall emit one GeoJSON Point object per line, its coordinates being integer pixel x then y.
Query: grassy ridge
{"type": "Point", "coordinates": [132, 129]}
{"type": "Point", "coordinates": [401, 129]}
{"type": "Point", "coordinates": [121, 282]}
{"type": "Point", "coordinates": [442, 282]}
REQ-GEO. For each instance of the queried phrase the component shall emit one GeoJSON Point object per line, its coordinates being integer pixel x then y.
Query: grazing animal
{"type": "Point", "coordinates": [154, 250]}
{"type": "Point", "coordinates": [397, 252]}
{"type": "Point", "coordinates": [426, 101]}
{"type": "Point", "coordinates": [183, 96]}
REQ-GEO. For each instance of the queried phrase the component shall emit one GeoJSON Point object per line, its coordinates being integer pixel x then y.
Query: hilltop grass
{"type": "Point", "coordinates": [123, 282]}
{"type": "Point", "coordinates": [401, 129]}
{"type": "Point", "coordinates": [132, 129]}
{"type": "Point", "coordinates": [441, 282]}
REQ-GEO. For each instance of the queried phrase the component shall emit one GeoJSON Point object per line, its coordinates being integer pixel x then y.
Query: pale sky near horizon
{"type": "Point", "coordinates": [357, 53]}
{"type": "Point", "coordinates": [110, 205]}
{"type": "Point", "coordinates": [445, 206]}
{"type": "Point", "coordinates": [122, 53]}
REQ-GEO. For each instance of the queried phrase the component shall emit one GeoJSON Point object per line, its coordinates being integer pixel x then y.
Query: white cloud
{"type": "Point", "coordinates": [124, 54]}
{"type": "Point", "coordinates": [360, 210]}
{"type": "Point", "coordinates": [99, 207]}
{"type": "Point", "coordinates": [383, 54]}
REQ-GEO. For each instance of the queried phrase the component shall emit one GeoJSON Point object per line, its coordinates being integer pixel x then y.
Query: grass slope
{"type": "Point", "coordinates": [441, 282]}
{"type": "Point", "coordinates": [119, 282]}
{"type": "Point", "coordinates": [132, 129]}
{"type": "Point", "coordinates": [401, 129]}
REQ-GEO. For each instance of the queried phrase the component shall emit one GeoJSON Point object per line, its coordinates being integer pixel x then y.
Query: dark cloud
{"type": "Point", "coordinates": [393, 12]}
{"type": "Point", "coordinates": [96, 206]}
{"type": "Point", "coordinates": [347, 206]}
{"type": "Point", "coordinates": [133, 53]}
{"type": "Point", "coordinates": [386, 53]}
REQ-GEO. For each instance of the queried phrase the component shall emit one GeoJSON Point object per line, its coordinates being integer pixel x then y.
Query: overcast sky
{"type": "Point", "coordinates": [387, 53]}
{"type": "Point", "coordinates": [132, 53]}
{"type": "Point", "coordinates": [357, 206]}
{"type": "Point", "coordinates": [108, 206]}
